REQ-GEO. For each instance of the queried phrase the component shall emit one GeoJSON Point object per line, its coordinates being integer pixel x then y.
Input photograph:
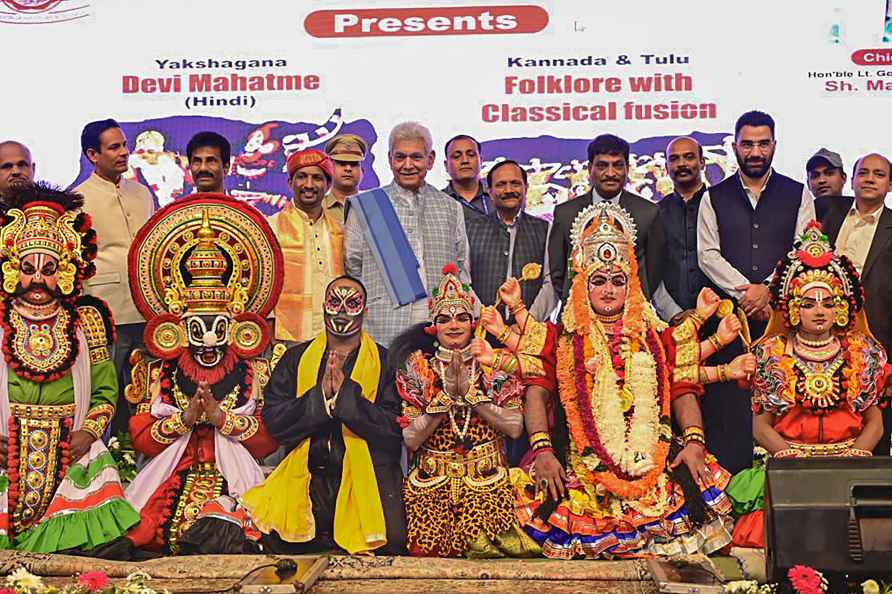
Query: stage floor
{"type": "Point", "coordinates": [384, 575]}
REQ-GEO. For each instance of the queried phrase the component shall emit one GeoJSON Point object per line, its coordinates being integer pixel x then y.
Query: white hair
{"type": "Point", "coordinates": [411, 131]}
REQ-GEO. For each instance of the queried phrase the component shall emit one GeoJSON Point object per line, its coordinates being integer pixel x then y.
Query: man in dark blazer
{"type": "Point", "coordinates": [608, 158]}
{"type": "Point", "coordinates": [861, 228]}
{"type": "Point", "coordinates": [505, 240]}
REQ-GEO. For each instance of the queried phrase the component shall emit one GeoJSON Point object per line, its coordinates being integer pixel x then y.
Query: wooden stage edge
{"type": "Point", "coordinates": [378, 575]}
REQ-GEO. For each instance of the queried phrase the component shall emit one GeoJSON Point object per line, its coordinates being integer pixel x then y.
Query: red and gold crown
{"type": "Point", "coordinates": [813, 264]}
{"type": "Point", "coordinates": [43, 220]}
{"type": "Point", "coordinates": [451, 296]}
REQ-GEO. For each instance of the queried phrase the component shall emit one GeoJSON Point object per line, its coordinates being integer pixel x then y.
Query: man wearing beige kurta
{"type": "Point", "coordinates": [312, 245]}
{"type": "Point", "coordinates": [118, 207]}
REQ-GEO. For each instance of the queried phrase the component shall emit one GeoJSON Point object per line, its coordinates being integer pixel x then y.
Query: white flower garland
{"type": "Point", "coordinates": [631, 450]}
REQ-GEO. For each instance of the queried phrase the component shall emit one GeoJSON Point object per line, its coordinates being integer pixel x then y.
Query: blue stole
{"type": "Point", "coordinates": [390, 246]}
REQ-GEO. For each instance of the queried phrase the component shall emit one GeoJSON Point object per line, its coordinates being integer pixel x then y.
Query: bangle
{"type": "Point", "coordinates": [695, 439]}
{"type": "Point", "coordinates": [497, 360]}
{"type": "Point", "coordinates": [715, 342]}
{"type": "Point", "coordinates": [503, 335]}
{"type": "Point", "coordinates": [516, 307]}
{"type": "Point", "coordinates": [694, 430]}
{"type": "Point", "coordinates": [548, 449]}
{"type": "Point", "coordinates": [787, 453]}
{"type": "Point", "coordinates": [723, 373]}
{"type": "Point", "coordinates": [544, 443]}
{"type": "Point", "coordinates": [704, 375]}
{"type": "Point", "coordinates": [538, 436]}
{"type": "Point", "coordinates": [696, 318]}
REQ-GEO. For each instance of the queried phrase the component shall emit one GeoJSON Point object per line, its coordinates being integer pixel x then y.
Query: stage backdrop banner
{"type": "Point", "coordinates": [533, 81]}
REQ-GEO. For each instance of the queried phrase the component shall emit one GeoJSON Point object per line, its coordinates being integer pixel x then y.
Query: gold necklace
{"type": "Point", "coordinates": [608, 319]}
{"type": "Point", "coordinates": [815, 344]}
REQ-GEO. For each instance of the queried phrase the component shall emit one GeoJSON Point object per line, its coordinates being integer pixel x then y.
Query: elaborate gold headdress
{"type": "Point", "coordinates": [205, 254]}
{"type": "Point", "coordinates": [813, 263]}
{"type": "Point", "coordinates": [41, 220]}
{"type": "Point", "coordinates": [451, 296]}
{"type": "Point", "coordinates": [602, 235]}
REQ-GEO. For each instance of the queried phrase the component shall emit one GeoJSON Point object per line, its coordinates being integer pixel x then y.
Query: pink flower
{"type": "Point", "coordinates": [805, 580]}
{"type": "Point", "coordinates": [8, 591]}
{"type": "Point", "coordinates": [94, 581]}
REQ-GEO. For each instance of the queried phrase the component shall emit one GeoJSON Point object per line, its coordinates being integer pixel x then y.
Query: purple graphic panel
{"type": "Point", "coordinates": [259, 152]}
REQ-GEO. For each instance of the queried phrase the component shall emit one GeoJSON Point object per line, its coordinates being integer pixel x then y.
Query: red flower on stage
{"type": "Point", "coordinates": [806, 580]}
{"type": "Point", "coordinates": [94, 581]}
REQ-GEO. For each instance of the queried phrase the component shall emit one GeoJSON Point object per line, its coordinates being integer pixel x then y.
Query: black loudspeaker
{"type": "Point", "coordinates": [833, 514]}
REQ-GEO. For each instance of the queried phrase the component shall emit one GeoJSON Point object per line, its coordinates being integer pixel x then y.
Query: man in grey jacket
{"type": "Point", "coordinates": [429, 221]}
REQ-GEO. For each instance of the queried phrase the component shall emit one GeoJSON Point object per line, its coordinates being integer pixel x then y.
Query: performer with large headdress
{"type": "Point", "coordinates": [59, 487]}
{"type": "Point", "coordinates": [819, 372]}
{"type": "Point", "coordinates": [457, 414]}
{"type": "Point", "coordinates": [204, 271]}
{"type": "Point", "coordinates": [607, 478]}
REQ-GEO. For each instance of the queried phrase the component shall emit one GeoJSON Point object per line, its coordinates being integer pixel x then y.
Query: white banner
{"type": "Point", "coordinates": [534, 82]}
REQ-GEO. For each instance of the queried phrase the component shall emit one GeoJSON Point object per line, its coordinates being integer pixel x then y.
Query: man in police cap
{"type": "Point", "coordinates": [347, 152]}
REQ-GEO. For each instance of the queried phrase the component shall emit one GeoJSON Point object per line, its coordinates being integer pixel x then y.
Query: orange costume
{"type": "Point", "coordinates": [818, 394]}
{"type": "Point", "coordinates": [616, 378]}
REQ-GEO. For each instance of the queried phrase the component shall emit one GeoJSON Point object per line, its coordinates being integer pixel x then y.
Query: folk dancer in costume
{"type": "Point", "coordinates": [622, 378]}
{"type": "Point", "coordinates": [204, 271]}
{"type": "Point", "coordinates": [331, 402]}
{"type": "Point", "coordinates": [457, 414]}
{"type": "Point", "coordinates": [58, 386]}
{"type": "Point", "coordinates": [819, 372]}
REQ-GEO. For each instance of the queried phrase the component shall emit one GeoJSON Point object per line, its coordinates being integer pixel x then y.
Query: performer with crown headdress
{"type": "Point", "coordinates": [607, 478]}
{"type": "Point", "coordinates": [59, 486]}
{"type": "Point", "coordinates": [204, 271]}
{"type": "Point", "coordinates": [819, 372]}
{"type": "Point", "coordinates": [457, 414]}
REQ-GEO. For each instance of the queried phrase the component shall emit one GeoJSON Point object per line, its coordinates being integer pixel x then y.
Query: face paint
{"type": "Point", "coordinates": [37, 279]}
{"type": "Point", "coordinates": [208, 337]}
{"type": "Point", "coordinates": [343, 309]}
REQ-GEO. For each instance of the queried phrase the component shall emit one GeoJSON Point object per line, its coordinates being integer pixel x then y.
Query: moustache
{"type": "Point", "coordinates": [681, 170]}
{"type": "Point", "coordinates": [201, 175]}
{"type": "Point", "coordinates": [20, 290]}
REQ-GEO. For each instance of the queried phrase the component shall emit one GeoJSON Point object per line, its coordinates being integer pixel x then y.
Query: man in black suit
{"type": "Point", "coordinates": [861, 229]}
{"type": "Point", "coordinates": [608, 166]}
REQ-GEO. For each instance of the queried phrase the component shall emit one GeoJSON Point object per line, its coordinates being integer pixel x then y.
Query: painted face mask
{"type": "Point", "coordinates": [343, 310]}
{"type": "Point", "coordinates": [208, 337]}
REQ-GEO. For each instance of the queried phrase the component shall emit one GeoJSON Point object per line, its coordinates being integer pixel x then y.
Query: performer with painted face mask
{"type": "Point", "coordinates": [204, 271]}
{"type": "Point", "coordinates": [59, 487]}
{"type": "Point", "coordinates": [331, 402]}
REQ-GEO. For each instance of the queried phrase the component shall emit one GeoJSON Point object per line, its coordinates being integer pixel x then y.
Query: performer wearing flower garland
{"type": "Point", "coordinates": [819, 372]}
{"type": "Point", "coordinates": [204, 271]}
{"type": "Point", "coordinates": [457, 414]}
{"type": "Point", "coordinates": [59, 486]}
{"type": "Point", "coordinates": [622, 378]}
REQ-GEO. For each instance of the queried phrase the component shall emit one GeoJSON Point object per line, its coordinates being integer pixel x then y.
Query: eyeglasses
{"type": "Point", "coordinates": [747, 146]}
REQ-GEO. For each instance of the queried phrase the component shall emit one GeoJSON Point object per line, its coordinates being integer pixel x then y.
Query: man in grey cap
{"type": "Point", "coordinates": [826, 176]}
{"type": "Point", "coordinates": [347, 152]}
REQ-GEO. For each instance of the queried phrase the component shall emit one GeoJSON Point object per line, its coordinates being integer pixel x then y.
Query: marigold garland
{"type": "Point", "coordinates": [574, 387]}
